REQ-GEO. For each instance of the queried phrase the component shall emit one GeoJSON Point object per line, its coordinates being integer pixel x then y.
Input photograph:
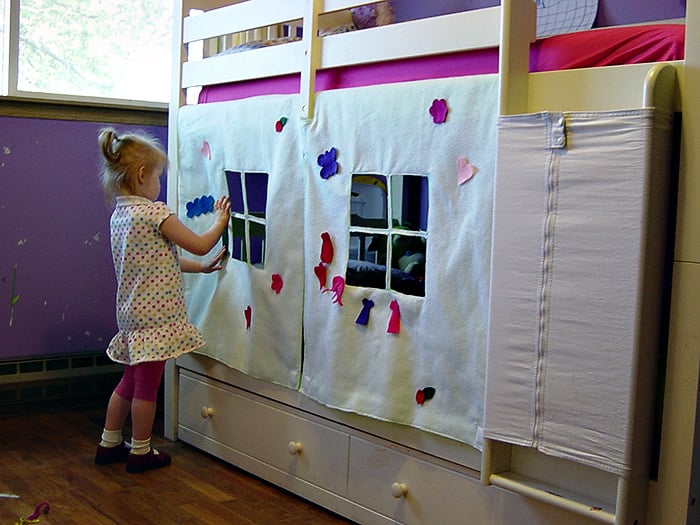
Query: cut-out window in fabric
{"type": "Point", "coordinates": [248, 195]}
{"type": "Point", "coordinates": [388, 232]}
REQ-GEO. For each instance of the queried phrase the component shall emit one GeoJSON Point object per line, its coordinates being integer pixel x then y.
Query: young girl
{"type": "Point", "coordinates": [151, 315]}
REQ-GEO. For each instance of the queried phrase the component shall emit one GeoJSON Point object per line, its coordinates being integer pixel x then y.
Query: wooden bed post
{"type": "Point", "coordinates": [312, 58]}
{"type": "Point", "coordinates": [518, 30]}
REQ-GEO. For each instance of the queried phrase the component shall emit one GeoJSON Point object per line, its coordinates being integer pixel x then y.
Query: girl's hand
{"type": "Point", "coordinates": [215, 264]}
{"type": "Point", "coordinates": [222, 209]}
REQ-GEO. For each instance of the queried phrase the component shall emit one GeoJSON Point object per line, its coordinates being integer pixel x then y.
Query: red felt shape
{"type": "Point", "coordinates": [321, 274]}
{"type": "Point", "coordinates": [326, 248]}
{"type": "Point", "coordinates": [276, 282]}
{"type": "Point", "coordinates": [425, 394]}
{"type": "Point", "coordinates": [248, 315]}
{"type": "Point", "coordinates": [394, 326]}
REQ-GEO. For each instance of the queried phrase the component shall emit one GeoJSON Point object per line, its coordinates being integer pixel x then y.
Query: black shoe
{"type": "Point", "coordinates": [107, 455]}
{"type": "Point", "coordinates": [136, 463]}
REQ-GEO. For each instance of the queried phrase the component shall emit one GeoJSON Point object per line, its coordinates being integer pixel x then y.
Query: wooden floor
{"type": "Point", "coordinates": [47, 454]}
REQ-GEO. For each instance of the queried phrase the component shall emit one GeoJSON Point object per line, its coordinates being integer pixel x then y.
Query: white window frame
{"type": "Point", "coordinates": [10, 75]}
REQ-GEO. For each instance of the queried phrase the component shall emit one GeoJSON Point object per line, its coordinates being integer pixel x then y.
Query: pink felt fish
{"type": "Point", "coordinates": [337, 288]}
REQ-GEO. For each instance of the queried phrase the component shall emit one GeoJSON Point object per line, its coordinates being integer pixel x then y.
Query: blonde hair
{"type": "Point", "coordinates": [123, 156]}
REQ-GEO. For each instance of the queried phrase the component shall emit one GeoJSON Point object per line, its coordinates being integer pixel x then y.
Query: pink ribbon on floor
{"type": "Point", "coordinates": [42, 507]}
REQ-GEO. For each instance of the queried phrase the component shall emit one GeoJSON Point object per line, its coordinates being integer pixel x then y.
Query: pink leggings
{"type": "Point", "coordinates": [141, 381]}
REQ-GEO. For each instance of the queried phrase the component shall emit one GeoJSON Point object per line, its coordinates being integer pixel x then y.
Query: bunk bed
{"type": "Point", "coordinates": [535, 210]}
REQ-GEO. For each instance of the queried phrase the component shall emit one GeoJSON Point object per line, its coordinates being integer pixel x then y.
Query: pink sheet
{"type": "Point", "coordinates": [593, 48]}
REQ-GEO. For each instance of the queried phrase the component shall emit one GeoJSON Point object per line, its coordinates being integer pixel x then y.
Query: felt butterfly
{"type": "Point", "coordinates": [329, 166]}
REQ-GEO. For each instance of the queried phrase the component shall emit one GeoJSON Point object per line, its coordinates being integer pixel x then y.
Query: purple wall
{"type": "Point", "coordinates": [610, 12]}
{"type": "Point", "coordinates": [54, 239]}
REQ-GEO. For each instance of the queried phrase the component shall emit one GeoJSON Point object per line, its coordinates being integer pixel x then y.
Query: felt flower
{"type": "Point", "coordinates": [329, 166]}
{"type": "Point", "coordinates": [200, 205]}
{"type": "Point", "coordinates": [438, 110]}
{"type": "Point", "coordinates": [425, 394]}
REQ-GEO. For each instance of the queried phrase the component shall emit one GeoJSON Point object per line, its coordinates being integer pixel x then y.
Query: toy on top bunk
{"type": "Point", "coordinates": [362, 17]}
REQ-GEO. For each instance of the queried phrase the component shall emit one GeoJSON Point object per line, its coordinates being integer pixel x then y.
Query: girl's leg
{"type": "Point", "coordinates": [147, 379]}
{"type": "Point", "coordinates": [120, 401]}
{"type": "Point", "coordinates": [111, 447]}
{"type": "Point", "coordinates": [143, 411]}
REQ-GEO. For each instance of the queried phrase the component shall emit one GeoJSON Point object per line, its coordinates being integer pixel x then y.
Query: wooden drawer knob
{"type": "Point", "coordinates": [399, 490]}
{"type": "Point", "coordinates": [206, 412]}
{"type": "Point", "coordinates": [295, 448]}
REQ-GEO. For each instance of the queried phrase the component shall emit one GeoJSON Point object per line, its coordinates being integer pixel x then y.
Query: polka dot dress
{"type": "Point", "coordinates": [151, 314]}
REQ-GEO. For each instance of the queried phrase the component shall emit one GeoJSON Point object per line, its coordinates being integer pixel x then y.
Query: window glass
{"type": "Point", "coordinates": [248, 194]}
{"type": "Point", "coordinates": [388, 254]}
{"type": "Point", "coordinates": [119, 49]}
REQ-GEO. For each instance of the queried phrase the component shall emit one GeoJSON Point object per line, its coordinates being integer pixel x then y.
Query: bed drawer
{"type": "Point", "coordinates": [413, 491]}
{"type": "Point", "coordinates": [293, 444]}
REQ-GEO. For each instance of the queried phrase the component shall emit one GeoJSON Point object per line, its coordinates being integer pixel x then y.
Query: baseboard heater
{"type": "Point", "coordinates": [56, 377]}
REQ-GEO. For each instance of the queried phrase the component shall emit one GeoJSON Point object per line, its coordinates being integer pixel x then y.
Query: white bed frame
{"type": "Point", "coordinates": [375, 472]}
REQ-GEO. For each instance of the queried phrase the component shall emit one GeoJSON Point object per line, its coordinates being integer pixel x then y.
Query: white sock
{"type": "Point", "coordinates": [111, 438]}
{"type": "Point", "coordinates": [141, 446]}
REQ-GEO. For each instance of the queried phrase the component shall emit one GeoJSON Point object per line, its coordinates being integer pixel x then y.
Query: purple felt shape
{"type": "Point", "coordinates": [438, 110]}
{"type": "Point", "coordinates": [329, 166]}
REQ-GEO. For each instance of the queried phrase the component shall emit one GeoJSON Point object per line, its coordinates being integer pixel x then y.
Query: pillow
{"type": "Point", "coordinates": [378, 14]}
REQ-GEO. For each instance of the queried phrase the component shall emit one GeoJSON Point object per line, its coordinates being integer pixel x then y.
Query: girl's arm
{"type": "Point", "coordinates": [188, 240]}
{"type": "Point", "coordinates": [191, 266]}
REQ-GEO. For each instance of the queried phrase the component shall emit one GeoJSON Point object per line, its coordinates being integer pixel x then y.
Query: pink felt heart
{"type": "Point", "coordinates": [465, 170]}
{"type": "Point", "coordinates": [205, 150]}
{"type": "Point", "coordinates": [276, 282]}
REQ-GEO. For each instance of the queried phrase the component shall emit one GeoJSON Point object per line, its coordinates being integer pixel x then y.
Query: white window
{"type": "Point", "coordinates": [248, 193]}
{"type": "Point", "coordinates": [388, 232]}
{"type": "Point", "coordinates": [87, 49]}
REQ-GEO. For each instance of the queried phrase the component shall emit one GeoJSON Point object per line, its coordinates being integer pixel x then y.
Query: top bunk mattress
{"type": "Point", "coordinates": [584, 49]}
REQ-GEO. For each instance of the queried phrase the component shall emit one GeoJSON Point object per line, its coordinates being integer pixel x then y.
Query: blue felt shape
{"type": "Point", "coordinates": [329, 166]}
{"type": "Point", "coordinates": [200, 205]}
{"type": "Point", "coordinates": [363, 317]}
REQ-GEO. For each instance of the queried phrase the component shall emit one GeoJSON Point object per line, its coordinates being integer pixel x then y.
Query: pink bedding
{"type": "Point", "coordinates": [593, 48]}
